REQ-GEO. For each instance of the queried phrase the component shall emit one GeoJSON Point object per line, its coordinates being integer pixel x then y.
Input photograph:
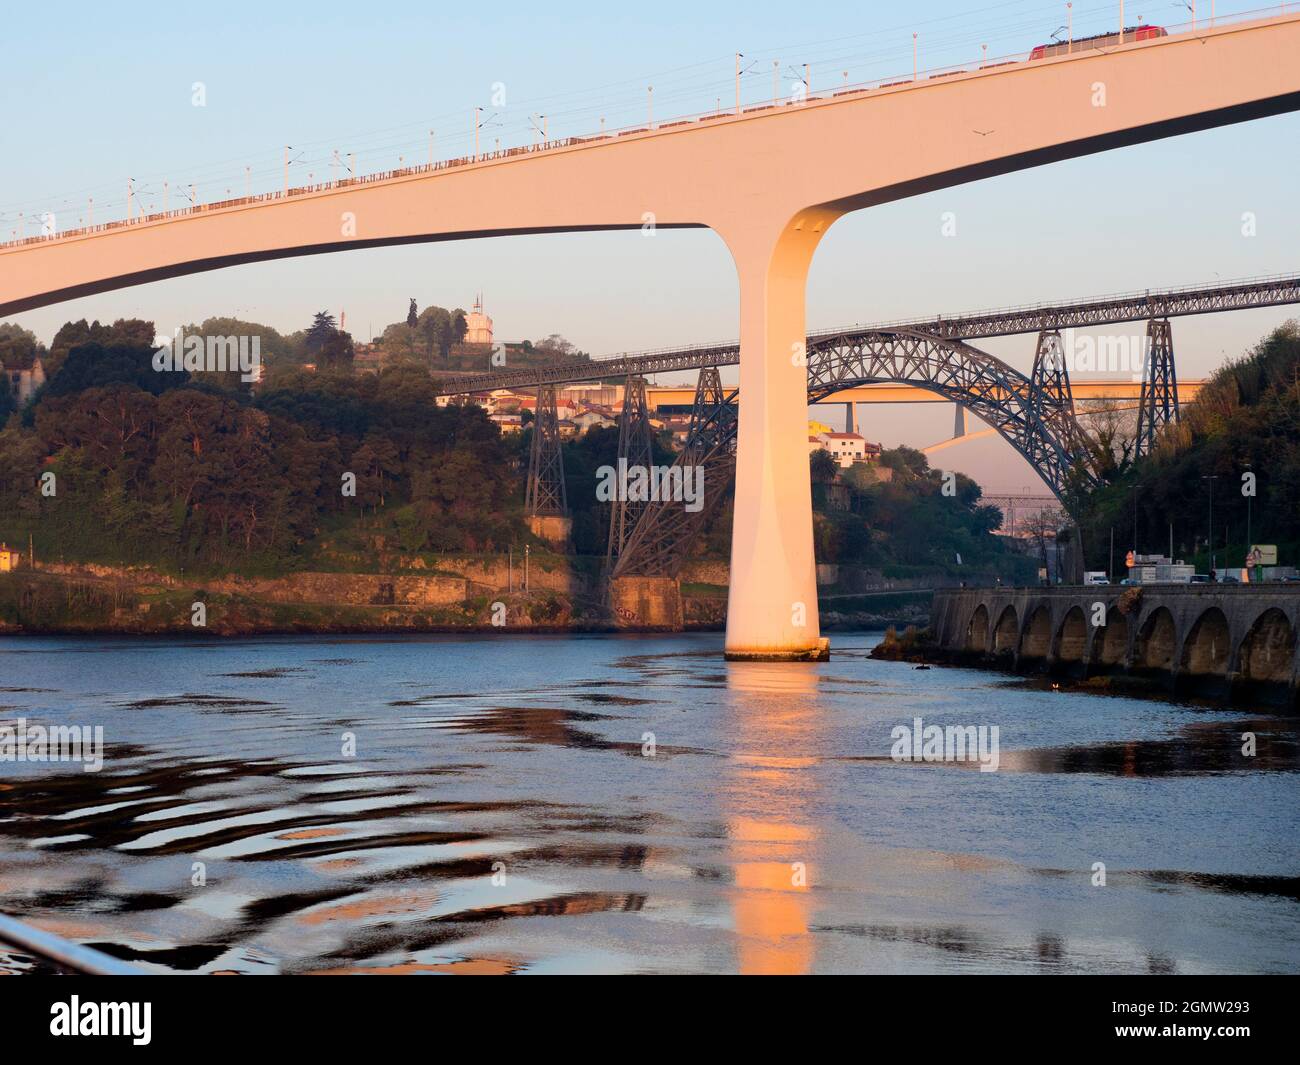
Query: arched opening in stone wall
{"type": "Point", "coordinates": [1155, 649]}
{"type": "Point", "coordinates": [1208, 645]}
{"type": "Point", "coordinates": [977, 632]}
{"type": "Point", "coordinates": [1206, 653]}
{"type": "Point", "coordinates": [1267, 657]}
{"type": "Point", "coordinates": [1111, 645]}
{"type": "Point", "coordinates": [1072, 639]}
{"type": "Point", "coordinates": [1006, 633]}
{"type": "Point", "coordinates": [1037, 640]}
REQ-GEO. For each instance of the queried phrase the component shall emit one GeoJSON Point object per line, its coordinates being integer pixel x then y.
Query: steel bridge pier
{"type": "Point", "coordinates": [1158, 406]}
{"type": "Point", "coordinates": [546, 502]}
{"type": "Point", "coordinates": [634, 450]}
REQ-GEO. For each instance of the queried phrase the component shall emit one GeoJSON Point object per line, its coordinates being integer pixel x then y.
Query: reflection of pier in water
{"type": "Point", "coordinates": [768, 804]}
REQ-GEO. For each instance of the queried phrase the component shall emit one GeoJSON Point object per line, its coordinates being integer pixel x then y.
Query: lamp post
{"type": "Point", "coordinates": [1136, 487]}
{"type": "Point", "coordinates": [1211, 478]}
{"type": "Point", "coordinates": [1249, 535]}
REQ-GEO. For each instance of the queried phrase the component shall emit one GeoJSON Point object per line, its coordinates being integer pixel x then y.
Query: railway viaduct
{"type": "Point", "coordinates": [1220, 641]}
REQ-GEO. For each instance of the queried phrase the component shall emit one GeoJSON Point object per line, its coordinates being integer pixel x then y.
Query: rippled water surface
{"type": "Point", "coordinates": [502, 813]}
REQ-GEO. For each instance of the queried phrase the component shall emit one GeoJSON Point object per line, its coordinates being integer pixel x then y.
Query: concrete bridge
{"type": "Point", "coordinates": [770, 181]}
{"type": "Point", "coordinates": [1219, 640]}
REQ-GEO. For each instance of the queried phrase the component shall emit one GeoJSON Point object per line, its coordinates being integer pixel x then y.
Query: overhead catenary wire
{"type": "Point", "coordinates": [685, 88]}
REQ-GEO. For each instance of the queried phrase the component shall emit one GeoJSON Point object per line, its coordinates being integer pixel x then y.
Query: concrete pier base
{"type": "Point", "coordinates": [553, 528]}
{"type": "Point", "coordinates": [819, 653]}
{"type": "Point", "coordinates": [647, 603]}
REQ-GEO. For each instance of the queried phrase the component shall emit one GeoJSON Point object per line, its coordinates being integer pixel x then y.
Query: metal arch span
{"type": "Point", "coordinates": [998, 394]}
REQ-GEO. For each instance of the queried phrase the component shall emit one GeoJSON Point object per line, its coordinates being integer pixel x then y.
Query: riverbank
{"type": "Point", "coordinates": [459, 598]}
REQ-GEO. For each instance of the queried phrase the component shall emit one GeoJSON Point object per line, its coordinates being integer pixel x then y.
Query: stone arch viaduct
{"type": "Point", "coordinates": [1221, 641]}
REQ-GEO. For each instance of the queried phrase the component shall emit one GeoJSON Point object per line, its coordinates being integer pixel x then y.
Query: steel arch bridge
{"type": "Point", "coordinates": [1034, 414]}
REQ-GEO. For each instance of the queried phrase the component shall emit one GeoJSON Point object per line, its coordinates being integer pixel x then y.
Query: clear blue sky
{"type": "Point", "coordinates": [97, 93]}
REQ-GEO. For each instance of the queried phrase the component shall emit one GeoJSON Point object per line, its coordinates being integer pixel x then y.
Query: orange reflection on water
{"type": "Point", "coordinates": [774, 718]}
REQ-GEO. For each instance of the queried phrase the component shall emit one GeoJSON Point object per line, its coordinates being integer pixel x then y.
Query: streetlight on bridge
{"type": "Point", "coordinates": [1136, 488]}
{"type": "Point", "coordinates": [1211, 478]}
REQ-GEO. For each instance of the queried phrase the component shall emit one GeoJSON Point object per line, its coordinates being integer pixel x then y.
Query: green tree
{"type": "Point", "coordinates": [822, 467]}
{"type": "Point", "coordinates": [337, 352]}
{"type": "Point", "coordinates": [321, 331]}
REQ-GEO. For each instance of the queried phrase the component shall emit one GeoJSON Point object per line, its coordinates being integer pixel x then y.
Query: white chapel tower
{"type": "Point", "coordinates": [479, 329]}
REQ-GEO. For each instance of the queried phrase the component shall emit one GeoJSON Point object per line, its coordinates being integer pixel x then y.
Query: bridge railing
{"type": "Point", "coordinates": [829, 96]}
{"type": "Point", "coordinates": [1114, 298]}
{"type": "Point", "coordinates": [1279, 589]}
{"type": "Point", "coordinates": [1285, 288]}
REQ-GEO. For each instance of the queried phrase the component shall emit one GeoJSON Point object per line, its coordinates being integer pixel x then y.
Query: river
{"type": "Point", "coordinates": [631, 804]}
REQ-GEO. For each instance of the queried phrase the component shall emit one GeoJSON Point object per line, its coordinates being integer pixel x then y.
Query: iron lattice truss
{"type": "Point", "coordinates": [1158, 405]}
{"type": "Point", "coordinates": [1132, 307]}
{"type": "Point", "coordinates": [634, 449]}
{"type": "Point", "coordinates": [1035, 416]}
{"type": "Point", "coordinates": [545, 494]}
{"type": "Point", "coordinates": [594, 369]}
{"type": "Point", "coordinates": [1050, 397]}
{"type": "Point", "coordinates": [1109, 310]}
{"type": "Point", "coordinates": [662, 539]}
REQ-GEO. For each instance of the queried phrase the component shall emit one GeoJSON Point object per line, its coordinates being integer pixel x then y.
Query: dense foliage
{"type": "Point", "coordinates": [182, 471]}
{"type": "Point", "coordinates": [1243, 427]}
{"type": "Point", "coordinates": [915, 522]}
{"type": "Point", "coordinates": [907, 526]}
{"type": "Point", "coordinates": [201, 471]}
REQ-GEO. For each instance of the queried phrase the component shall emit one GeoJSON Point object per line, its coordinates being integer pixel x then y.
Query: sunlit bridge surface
{"type": "Point", "coordinates": [522, 825]}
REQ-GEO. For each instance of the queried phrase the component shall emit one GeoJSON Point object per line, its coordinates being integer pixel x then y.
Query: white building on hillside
{"type": "Point", "coordinates": [845, 448]}
{"type": "Point", "coordinates": [479, 325]}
